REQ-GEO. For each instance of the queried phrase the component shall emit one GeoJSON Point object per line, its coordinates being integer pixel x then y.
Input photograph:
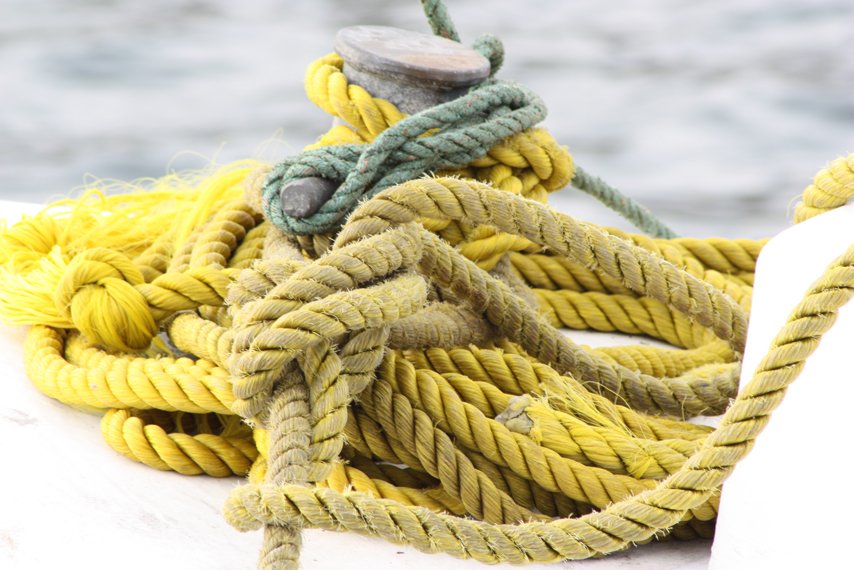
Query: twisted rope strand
{"type": "Point", "coordinates": [476, 203]}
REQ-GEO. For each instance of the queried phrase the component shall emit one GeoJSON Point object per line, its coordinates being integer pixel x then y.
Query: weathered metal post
{"type": "Point", "coordinates": [414, 71]}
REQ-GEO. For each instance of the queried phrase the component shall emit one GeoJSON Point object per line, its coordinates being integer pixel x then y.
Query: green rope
{"type": "Point", "coordinates": [492, 49]}
{"type": "Point", "coordinates": [628, 208]}
{"type": "Point", "coordinates": [467, 128]}
{"type": "Point", "coordinates": [442, 25]}
{"type": "Point", "coordinates": [439, 19]}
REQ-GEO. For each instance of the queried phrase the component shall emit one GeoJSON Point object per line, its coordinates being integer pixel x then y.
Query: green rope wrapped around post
{"type": "Point", "coordinates": [450, 135]}
{"type": "Point", "coordinates": [468, 128]}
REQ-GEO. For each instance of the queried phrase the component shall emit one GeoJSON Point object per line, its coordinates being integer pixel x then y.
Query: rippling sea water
{"type": "Point", "coordinates": [713, 114]}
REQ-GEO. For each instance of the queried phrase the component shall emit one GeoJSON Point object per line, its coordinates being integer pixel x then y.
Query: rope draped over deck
{"type": "Point", "coordinates": [394, 366]}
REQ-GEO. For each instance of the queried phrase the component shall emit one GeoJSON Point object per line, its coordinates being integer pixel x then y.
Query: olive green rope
{"type": "Point", "coordinates": [684, 495]}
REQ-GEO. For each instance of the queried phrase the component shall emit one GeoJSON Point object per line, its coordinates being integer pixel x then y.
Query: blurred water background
{"type": "Point", "coordinates": [715, 114]}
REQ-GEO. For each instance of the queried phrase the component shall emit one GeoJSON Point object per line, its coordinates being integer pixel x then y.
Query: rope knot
{"type": "Point", "coordinates": [98, 294]}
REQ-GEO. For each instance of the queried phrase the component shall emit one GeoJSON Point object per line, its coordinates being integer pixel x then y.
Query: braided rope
{"type": "Point", "coordinates": [255, 365]}
{"type": "Point", "coordinates": [639, 216]}
{"type": "Point", "coordinates": [189, 454]}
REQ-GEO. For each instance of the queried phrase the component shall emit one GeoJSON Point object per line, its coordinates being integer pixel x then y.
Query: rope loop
{"type": "Point", "coordinates": [492, 49]}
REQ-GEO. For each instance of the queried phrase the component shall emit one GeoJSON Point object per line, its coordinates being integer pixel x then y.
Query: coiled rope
{"type": "Point", "coordinates": [403, 377]}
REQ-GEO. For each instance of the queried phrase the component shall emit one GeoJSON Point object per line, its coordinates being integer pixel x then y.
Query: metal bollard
{"type": "Point", "coordinates": [412, 70]}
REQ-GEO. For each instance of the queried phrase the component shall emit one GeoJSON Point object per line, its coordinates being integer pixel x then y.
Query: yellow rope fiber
{"type": "Point", "coordinates": [404, 378]}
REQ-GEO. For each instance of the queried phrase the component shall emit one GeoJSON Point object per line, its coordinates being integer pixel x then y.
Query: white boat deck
{"type": "Point", "coordinates": [69, 501]}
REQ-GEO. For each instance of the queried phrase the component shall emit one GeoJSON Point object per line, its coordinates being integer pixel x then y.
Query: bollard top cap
{"type": "Point", "coordinates": [414, 56]}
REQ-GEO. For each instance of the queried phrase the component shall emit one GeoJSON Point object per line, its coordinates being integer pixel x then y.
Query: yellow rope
{"type": "Point", "coordinates": [149, 442]}
{"type": "Point", "coordinates": [393, 386]}
{"type": "Point", "coordinates": [832, 187]}
{"type": "Point", "coordinates": [531, 163]}
{"type": "Point", "coordinates": [694, 468]}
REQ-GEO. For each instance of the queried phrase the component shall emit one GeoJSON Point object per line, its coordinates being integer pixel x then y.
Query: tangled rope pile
{"type": "Point", "coordinates": [402, 374]}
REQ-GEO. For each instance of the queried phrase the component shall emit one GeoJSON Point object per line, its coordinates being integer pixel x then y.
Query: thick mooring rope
{"type": "Point", "coordinates": [401, 375]}
{"type": "Point", "coordinates": [456, 428]}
